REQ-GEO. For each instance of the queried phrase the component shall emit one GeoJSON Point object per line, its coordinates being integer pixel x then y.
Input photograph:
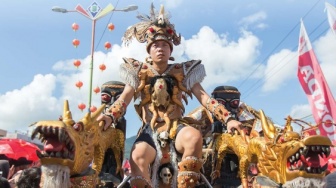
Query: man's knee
{"type": "Point", "coordinates": [191, 136]}
{"type": "Point", "coordinates": [142, 157]}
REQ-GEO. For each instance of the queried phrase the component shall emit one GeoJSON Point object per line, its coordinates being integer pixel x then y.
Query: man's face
{"type": "Point", "coordinates": [160, 51]}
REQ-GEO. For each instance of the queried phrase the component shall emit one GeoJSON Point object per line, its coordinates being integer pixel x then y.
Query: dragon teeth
{"type": "Point", "coordinates": [327, 152]}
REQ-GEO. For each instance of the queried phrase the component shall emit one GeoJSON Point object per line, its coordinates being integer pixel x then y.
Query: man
{"type": "Point", "coordinates": [165, 134]}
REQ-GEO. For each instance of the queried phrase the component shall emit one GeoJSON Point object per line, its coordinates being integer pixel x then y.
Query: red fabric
{"type": "Point", "coordinates": [126, 165]}
{"type": "Point", "coordinates": [16, 148]}
{"type": "Point", "coordinates": [316, 88]}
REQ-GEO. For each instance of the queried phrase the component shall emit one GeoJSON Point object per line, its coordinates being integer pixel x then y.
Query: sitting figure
{"type": "Point", "coordinates": [161, 86]}
{"type": "Point", "coordinates": [110, 92]}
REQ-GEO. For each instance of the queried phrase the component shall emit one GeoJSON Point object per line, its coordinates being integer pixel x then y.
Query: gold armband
{"type": "Point", "coordinates": [218, 110]}
{"type": "Point", "coordinates": [117, 110]}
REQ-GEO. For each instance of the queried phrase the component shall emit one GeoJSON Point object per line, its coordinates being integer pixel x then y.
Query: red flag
{"type": "Point", "coordinates": [316, 88]}
{"type": "Point", "coordinates": [331, 12]}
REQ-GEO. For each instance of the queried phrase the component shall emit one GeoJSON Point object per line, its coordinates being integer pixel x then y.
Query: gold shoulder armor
{"type": "Point", "coordinates": [133, 63]}
{"type": "Point", "coordinates": [189, 65]}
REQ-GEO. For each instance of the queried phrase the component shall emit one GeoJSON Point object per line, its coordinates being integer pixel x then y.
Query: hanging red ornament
{"type": "Point", "coordinates": [79, 84]}
{"type": "Point", "coordinates": [96, 89]}
{"type": "Point", "coordinates": [93, 109]}
{"type": "Point", "coordinates": [77, 63]}
{"type": "Point", "coordinates": [75, 26]}
{"type": "Point", "coordinates": [110, 26]}
{"type": "Point", "coordinates": [81, 106]}
{"type": "Point", "coordinates": [75, 42]}
{"type": "Point", "coordinates": [102, 67]}
{"type": "Point", "coordinates": [107, 45]}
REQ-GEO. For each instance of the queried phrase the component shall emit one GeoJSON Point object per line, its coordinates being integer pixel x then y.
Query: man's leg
{"type": "Point", "coordinates": [142, 156]}
{"type": "Point", "coordinates": [189, 142]}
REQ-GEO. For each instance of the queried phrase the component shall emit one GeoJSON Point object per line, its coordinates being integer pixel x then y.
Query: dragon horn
{"type": "Point", "coordinates": [98, 112]}
{"type": "Point", "coordinates": [288, 124]}
{"type": "Point", "coordinates": [66, 112]}
{"type": "Point", "coordinates": [88, 118]}
{"type": "Point", "coordinates": [267, 126]}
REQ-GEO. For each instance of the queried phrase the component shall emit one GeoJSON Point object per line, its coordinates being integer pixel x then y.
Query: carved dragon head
{"type": "Point", "coordinates": [288, 156]}
{"type": "Point", "coordinates": [68, 143]}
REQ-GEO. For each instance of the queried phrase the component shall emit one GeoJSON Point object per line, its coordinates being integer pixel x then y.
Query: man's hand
{"type": "Point", "coordinates": [233, 125]}
{"type": "Point", "coordinates": [11, 172]}
{"type": "Point", "coordinates": [107, 120]}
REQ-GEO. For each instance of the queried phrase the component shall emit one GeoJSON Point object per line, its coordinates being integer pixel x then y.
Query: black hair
{"type": "Point", "coordinates": [30, 178]}
{"type": "Point", "coordinates": [4, 183]}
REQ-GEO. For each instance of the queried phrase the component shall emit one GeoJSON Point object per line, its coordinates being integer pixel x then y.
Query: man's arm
{"type": "Point", "coordinates": [204, 98]}
{"type": "Point", "coordinates": [119, 105]}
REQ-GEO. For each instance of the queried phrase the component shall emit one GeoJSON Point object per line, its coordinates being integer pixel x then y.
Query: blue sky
{"type": "Point", "coordinates": [248, 44]}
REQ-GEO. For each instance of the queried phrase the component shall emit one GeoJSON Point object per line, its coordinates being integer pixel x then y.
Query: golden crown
{"type": "Point", "coordinates": [152, 28]}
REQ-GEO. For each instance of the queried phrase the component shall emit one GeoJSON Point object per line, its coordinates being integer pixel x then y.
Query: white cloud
{"type": "Point", "coordinates": [280, 68]}
{"type": "Point", "coordinates": [223, 59]}
{"type": "Point", "coordinates": [172, 3]}
{"type": "Point", "coordinates": [302, 112]}
{"type": "Point", "coordinates": [256, 19]}
{"type": "Point", "coordinates": [19, 108]}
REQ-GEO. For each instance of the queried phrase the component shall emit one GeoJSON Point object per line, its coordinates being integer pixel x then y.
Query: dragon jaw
{"type": "Point", "coordinates": [68, 143]}
{"type": "Point", "coordinates": [305, 158]}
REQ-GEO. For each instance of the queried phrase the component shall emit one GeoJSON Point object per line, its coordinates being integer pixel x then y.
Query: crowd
{"type": "Point", "coordinates": [20, 173]}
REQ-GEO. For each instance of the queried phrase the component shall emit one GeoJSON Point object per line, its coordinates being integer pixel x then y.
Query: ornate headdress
{"type": "Point", "coordinates": [153, 27]}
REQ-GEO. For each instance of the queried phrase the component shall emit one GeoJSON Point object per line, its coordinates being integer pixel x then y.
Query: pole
{"type": "Point", "coordinates": [91, 63]}
{"type": "Point", "coordinates": [94, 18]}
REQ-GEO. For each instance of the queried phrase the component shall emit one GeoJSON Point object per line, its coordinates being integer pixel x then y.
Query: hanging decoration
{"type": "Point", "coordinates": [79, 84]}
{"type": "Point", "coordinates": [75, 27]}
{"type": "Point", "coordinates": [77, 63]}
{"type": "Point", "coordinates": [110, 26]}
{"type": "Point", "coordinates": [75, 42]}
{"type": "Point", "coordinates": [107, 45]}
{"type": "Point", "coordinates": [93, 108]}
{"type": "Point", "coordinates": [96, 90]}
{"type": "Point", "coordinates": [81, 106]}
{"type": "Point", "coordinates": [102, 67]}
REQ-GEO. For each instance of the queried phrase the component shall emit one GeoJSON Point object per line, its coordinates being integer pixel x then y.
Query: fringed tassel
{"type": "Point", "coordinates": [55, 176]}
{"type": "Point", "coordinates": [157, 162]}
{"type": "Point", "coordinates": [173, 161]}
{"type": "Point", "coordinates": [195, 75]}
{"type": "Point", "coordinates": [129, 76]}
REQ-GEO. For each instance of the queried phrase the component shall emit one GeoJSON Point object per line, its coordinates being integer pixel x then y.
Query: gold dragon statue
{"type": "Point", "coordinates": [283, 155]}
{"type": "Point", "coordinates": [73, 146]}
{"type": "Point", "coordinates": [233, 143]}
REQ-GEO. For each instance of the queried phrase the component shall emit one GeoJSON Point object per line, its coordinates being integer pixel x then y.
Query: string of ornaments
{"type": "Point", "coordinates": [77, 63]}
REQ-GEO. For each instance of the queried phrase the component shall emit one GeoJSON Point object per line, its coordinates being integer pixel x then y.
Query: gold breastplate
{"type": "Point", "coordinates": [161, 95]}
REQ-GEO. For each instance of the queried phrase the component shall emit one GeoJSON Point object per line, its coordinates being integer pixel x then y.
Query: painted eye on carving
{"type": "Point", "coordinates": [106, 98]}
